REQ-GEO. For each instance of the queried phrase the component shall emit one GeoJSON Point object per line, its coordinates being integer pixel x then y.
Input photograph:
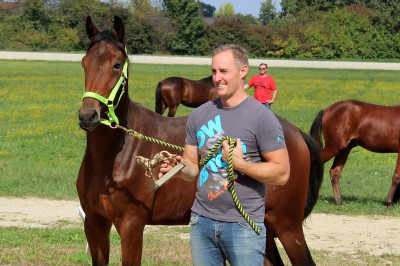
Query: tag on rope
{"type": "Point", "coordinates": [156, 185]}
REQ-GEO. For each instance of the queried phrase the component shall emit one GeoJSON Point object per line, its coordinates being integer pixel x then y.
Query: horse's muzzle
{"type": "Point", "coordinates": [89, 120]}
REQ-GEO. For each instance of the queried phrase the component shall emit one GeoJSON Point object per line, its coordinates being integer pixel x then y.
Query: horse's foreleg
{"type": "Point", "coordinates": [131, 233]}
{"type": "Point", "coordinates": [272, 254]}
{"type": "Point", "coordinates": [97, 231]}
{"type": "Point", "coordinates": [295, 245]}
{"type": "Point", "coordinates": [395, 184]}
{"type": "Point", "coordinates": [336, 171]}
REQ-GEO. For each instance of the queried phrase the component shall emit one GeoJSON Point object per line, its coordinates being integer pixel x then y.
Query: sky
{"type": "Point", "coordinates": [243, 6]}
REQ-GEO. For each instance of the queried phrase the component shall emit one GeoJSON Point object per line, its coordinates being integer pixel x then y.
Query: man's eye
{"type": "Point", "coordinates": [117, 66]}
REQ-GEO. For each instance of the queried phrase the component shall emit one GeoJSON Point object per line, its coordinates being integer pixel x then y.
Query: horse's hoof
{"type": "Point", "coordinates": [339, 203]}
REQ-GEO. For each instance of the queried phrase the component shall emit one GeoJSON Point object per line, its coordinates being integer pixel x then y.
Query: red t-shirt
{"type": "Point", "coordinates": [262, 87]}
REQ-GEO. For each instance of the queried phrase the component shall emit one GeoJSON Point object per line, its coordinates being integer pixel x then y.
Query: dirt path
{"type": "Point", "coordinates": [375, 235]}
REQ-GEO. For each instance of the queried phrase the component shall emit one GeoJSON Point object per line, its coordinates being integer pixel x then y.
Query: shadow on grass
{"type": "Point", "coordinates": [353, 200]}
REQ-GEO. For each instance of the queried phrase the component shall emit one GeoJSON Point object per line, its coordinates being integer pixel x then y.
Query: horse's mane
{"type": "Point", "coordinates": [107, 36]}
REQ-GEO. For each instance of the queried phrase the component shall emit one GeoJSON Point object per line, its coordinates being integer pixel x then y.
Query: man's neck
{"type": "Point", "coordinates": [234, 100]}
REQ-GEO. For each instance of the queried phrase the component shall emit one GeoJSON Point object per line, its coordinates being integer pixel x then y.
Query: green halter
{"type": "Point", "coordinates": [109, 102]}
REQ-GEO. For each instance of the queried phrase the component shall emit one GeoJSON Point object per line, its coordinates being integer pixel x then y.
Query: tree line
{"type": "Point", "coordinates": [318, 29]}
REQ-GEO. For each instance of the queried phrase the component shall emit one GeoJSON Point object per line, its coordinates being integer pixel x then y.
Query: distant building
{"type": "Point", "coordinates": [209, 21]}
{"type": "Point", "coordinates": [11, 6]}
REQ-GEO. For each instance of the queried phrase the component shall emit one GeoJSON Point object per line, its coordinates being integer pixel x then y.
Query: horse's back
{"type": "Point", "coordinates": [374, 127]}
{"type": "Point", "coordinates": [169, 129]}
{"type": "Point", "coordinates": [197, 92]}
{"type": "Point", "coordinates": [172, 85]}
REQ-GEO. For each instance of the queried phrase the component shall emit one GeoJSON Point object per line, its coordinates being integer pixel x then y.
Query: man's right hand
{"type": "Point", "coordinates": [166, 166]}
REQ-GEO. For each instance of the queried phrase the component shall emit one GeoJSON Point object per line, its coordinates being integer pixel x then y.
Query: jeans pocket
{"type": "Point", "coordinates": [193, 218]}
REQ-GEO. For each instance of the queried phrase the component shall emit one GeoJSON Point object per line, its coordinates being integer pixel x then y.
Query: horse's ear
{"type": "Point", "coordinates": [91, 29]}
{"type": "Point", "coordinates": [119, 29]}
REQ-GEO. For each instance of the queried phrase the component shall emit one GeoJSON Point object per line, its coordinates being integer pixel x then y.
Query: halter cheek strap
{"type": "Point", "coordinates": [109, 102]}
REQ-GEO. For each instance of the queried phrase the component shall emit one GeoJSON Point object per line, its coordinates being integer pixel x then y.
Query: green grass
{"type": "Point", "coordinates": [164, 245]}
{"type": "Point", "coordinates": [41, 144]}
{"type": "Point", "coordinates": [54, 246]}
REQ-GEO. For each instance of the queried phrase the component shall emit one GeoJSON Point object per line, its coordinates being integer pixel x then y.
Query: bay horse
{"type": "Point", "coordinates": [350, 123]}
{"type": "Point", "coordinates": [114, 190]}
{"type": "Point", "coordinates": [173, 91]}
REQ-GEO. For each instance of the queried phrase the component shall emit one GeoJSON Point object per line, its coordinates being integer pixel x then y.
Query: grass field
{"type": "Point", "coordinates": [41, 148]}
{"type": "Point", "coordinates": [41, 144]}
{"type": "Point", "coordinates": [165, 245]}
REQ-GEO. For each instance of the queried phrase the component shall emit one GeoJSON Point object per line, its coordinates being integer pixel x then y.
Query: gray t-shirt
{"type": "Point", "coordinates": [260, 132]}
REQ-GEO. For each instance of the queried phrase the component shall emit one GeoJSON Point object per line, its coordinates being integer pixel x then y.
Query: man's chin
{"type": "Point", "coordinates": [221, 92]}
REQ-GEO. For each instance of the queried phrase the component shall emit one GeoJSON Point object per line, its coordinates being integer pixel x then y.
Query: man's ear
{"type": "Point", "coordinates": [243, 71]}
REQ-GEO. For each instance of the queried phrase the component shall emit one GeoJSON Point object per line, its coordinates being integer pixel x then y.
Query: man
{"type": "Point", "coordinates": [263, 86]}
{"type": "Point", "coordinates": [218, 230]}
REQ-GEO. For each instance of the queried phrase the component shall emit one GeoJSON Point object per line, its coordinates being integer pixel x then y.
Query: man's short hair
{"type": "Point", "coordinates": [239, 53]}
{"type": "Point", "coordinates": [263, 64]}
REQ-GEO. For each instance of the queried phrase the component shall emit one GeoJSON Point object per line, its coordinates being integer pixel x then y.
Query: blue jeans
{"type": "Point", "coordinates": [267, 105]}
{"type": "Point", "coordinates": [213, 242]}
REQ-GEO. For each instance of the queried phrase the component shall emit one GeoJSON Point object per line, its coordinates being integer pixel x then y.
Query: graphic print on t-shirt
{"type": "Point", "coordinates": [259, 85]}
{"type": "Point", "coordinates": [214, 174]}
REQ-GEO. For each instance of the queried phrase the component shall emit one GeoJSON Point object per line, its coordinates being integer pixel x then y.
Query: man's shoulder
{"type": "Point", "coordinates": [255, 77]}
{"type": "Point", "coordinates": [205, 107]}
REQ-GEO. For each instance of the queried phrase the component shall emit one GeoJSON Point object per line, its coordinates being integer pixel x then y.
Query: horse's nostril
{"type": "Point", "coordinates": [88, 117]}
{"type": "Point", "coordinates": [94, 116]}
{"type": "Point", "coordinates": [80, 115]}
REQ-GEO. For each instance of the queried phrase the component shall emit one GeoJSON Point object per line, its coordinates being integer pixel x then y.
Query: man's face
{"type": "Point", "coordinates": [226, 76]}
{"type": "Point", "coordinates": [263, 69]}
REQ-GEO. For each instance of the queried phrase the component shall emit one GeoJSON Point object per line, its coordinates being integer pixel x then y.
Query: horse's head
{"type": "Point", "coordinates": [106, 75]}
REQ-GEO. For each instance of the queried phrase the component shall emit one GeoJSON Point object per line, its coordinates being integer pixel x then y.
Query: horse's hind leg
{"type": "Point", "coordinates": [395, 184]}
{"type": "Point", "coordinates": [97, 230]}
{"type": "Point", "coordinates": [336, 171]}
{"type": "Point", "coordinates": [272, 254]}
{"type": "Point", "coordinates": [294, 242]}
{"type": "Point", "coordinates": [172, 111]}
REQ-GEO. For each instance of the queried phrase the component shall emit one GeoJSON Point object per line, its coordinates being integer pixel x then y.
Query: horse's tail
{"type": "Point", "coordinates": [158, 108]}
{"type": "Point", "coordinates": [316, 173]}
{"type": "Point", "coordinates": [316, 129]}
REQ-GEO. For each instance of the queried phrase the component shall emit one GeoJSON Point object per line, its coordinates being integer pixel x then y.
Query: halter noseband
{"type": "Point", "coordinates": [109, 102]}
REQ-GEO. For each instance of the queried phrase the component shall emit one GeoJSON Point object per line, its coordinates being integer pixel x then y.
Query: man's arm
{"type": "Point", "coordinates": [190, 158]}
{"type": "Point", "coordinates": [274, 93]}
{"type": "Point", "coordinates": [246, 86]}
{"type": "Point", "coordinates": [275, 170]}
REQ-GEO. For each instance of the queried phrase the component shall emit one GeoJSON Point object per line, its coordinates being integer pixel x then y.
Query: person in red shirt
{"type": "Point", "coordinates": [264, 86]}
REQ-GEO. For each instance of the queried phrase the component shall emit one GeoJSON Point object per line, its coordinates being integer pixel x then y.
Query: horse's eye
{"type": "Point", "coordinates": [117, 66]}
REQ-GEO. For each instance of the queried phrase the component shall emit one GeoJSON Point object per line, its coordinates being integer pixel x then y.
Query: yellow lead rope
{"type": "Point", "coordinates": [231, 177]}
{"type": "Point", "coordinates": [231, 172]}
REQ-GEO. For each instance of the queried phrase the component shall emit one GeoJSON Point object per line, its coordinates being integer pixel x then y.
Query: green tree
{"type": "Point", "coordinates": [267, 12]}
{"type": "Point", "coordinates": [190, 36]}
{"type": "Point", "coordinates": [207, 10]}
{"type": "Point", "coordinates": [225, 11]}
{"type": "Point", "coordinates": [292, 7]}
{"type": "Point", "coordinates": [387, 15]}
{"type": "Point", "coordinates": [226, 30]}
{"type": "Point", "coordinates": [247, 19]}
{"type": "Point", "coordinates": [36, 13]}
{"type": "Point", "coordinates": [296, 6]}
{"type": "Point", "coordinates": [74, 15]}
{"type": "Point", "coordinates": [148, 30]}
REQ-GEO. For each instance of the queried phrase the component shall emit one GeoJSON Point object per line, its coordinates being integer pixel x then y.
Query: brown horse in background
{"type": "Point", "coordinates": [114, 190]}
{"type": "Point", "coordinates": [173, 91]}
{"type": "Point", "coordinates": [351, 123]}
